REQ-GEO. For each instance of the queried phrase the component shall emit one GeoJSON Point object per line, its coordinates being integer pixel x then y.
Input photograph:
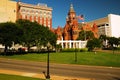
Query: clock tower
{"type": "Point", "coordinates": [71, 26]}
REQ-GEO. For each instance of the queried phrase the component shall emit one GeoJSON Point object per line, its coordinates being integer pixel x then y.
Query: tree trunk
{"type": "Point", "coordinates": [28, 48]}
{"type": "Point", "coordinates": [5, 50]}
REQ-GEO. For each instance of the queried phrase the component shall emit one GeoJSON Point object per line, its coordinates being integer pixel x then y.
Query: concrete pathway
{"type": "Point", "coordinates": [35, 75]}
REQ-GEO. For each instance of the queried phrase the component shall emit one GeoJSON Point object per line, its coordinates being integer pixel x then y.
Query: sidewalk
{"type": "Point", "coordinates": [35, 75]}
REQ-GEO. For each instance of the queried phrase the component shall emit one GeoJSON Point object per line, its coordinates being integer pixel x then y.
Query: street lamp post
{"type": "Point", "coordinates": [48, 67]}
{"type": "Point", "coordinates": [75, 54]}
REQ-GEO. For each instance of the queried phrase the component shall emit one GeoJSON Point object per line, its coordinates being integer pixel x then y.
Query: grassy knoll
{"type": "Point", "coordinates": [14, 77]}
{"type": "Point", "coordinates": [83, 58]}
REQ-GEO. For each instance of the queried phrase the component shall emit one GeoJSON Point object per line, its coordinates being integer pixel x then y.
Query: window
{"type": "Point", "coordinates": [107, 24]}
{"type": "Point", "coordinates": [37, 18]}
{"type": "Point", "coordinates": [103, 25]}
{"type": "Point", "coordinates": [32, 19]}
{"type": "Point", "coordinates": [28, 17]}
{"type": "Point", "coordinates": [23, 16]}
{"type": "Point", "coordinates": [36, 12]}
{"type": "Point", "coordinates": [40, 20]}
{"type": "Point", "coordinates": [22, 10]}
{"type": "Point", "coordinates": [44, 13]}
{"type": "Point", "coordinates": [48, 25]}
{"type": "Point", "coordinates": [31, 11]}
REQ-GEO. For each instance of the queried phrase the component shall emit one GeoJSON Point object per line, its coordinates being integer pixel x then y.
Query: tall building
{"type": "Point", "coordinates": [109, 25]}
{"type": "Point", "coordinates": [12, 11]}
{"type": "Point", "coordinates": [70, 31]}
{"type": "Point", "coordinates": [39, 13]}
{"type": "Point", "coordinates": [8, 11]}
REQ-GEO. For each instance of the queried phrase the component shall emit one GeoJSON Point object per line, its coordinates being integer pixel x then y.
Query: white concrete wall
{"type": "Point", "coordinates": [114, 22]}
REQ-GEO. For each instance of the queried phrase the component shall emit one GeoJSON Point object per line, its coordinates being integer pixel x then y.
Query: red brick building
{"type": "Point", "coordinates": [40, 13]}
{"type": "Point", "coordinates": [73, 27]}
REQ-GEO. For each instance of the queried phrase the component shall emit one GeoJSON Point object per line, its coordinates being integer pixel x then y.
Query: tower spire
{"type": "Point", "coordinates": [71, 8]}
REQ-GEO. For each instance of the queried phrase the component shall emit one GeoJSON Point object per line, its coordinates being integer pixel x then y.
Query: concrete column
{"type": "Point", "coordinates": [70, 44]}
{"type": "Point", "coordinates": [62, 44]}
{"type": "Point", "coordinates": [73, 44]}
{"type": "Point", "coordinates": [66, 46]}
{"type": "Point", "coordinates": [76, 44]}
{"type": "Point", "coordinates": [79, 44]}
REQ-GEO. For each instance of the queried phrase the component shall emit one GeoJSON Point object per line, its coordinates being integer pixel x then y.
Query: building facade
{"type": "Point", "coordinates": [39, 13]}
{"type": "Point", "coordinates": [8, 11]}
{"type": "Point", "coordinates": [109, 25]}
{"type": "Point", "coordinates": [68, 35]}
{"type": "Point", "coordinates": [12, 11]}
{"type": "Point", "coordinates": [73, 27]}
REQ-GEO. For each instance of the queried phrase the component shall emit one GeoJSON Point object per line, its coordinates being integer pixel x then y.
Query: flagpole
{"type": "Point", "coordinates": [85, 29]}
{"type": "Point", "coordinates": [81, 17]}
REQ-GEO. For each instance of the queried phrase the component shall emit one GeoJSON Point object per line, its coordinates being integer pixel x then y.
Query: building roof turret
{"type": "Point", "coordinates": [71, 8]}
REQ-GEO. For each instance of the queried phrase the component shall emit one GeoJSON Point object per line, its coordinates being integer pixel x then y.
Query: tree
{"type": "Point", "coordinates": [46, 36]}
{"type": "Point", "coordinates": [94, 43]}
{"type": "Point", "coordinates": [31, 33]}
{"type": "Point", "coordinates": [113, 41]}
{"type": "Point", "coordinates": [35, 34]}
{"type": "Point", "coordinates": [104, 40]}
{"type": "Point", "coordinates": [52, 37]}
{"type": "Point", "coordinates": [9, 33]}
{"type": "Point", "coordinates": [85, 35]}
{"type": "Point", "coordinates": [119, 40]}
{"type": "Point", "coordinates": [103, 37]}
{"type": "Point", "coordinates": [81, 35]}
{"type": "Point", "coordinates": [58, 47]}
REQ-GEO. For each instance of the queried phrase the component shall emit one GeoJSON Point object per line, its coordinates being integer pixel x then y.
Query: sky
{"type": "Point", "coordinates": [91, 9]}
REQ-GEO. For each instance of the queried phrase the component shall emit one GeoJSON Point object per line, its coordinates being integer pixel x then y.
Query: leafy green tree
{"type": "Point", "coordinates": [81, 35]}
{"type": "Point", "coordinates": [52, 37]}
{"type": "Point", "coordinates": [9, 33]}
{"type": "Point", "coordinates": [58, 47]}
{"type": "Point", "coordinates": [46, 36]}
{"type": "Point", "coordinates": [31, 33]}
{"type": "Point", "coordinates": [35, 34]}
{"type": "Point", "coordinates": [113, 41]}
{"type": "Point", "coordinates": [28, 37]}
{"type": "Point", "coordinates": [103, 37]}
{"type": "Point", "coordinates": [89, 35]}
{"type": "Point", "coordinates": [85, 35]}
{"type": "Point", "coordinates": [93, 43]}
{"type": "Point", "coordinates": [119, 40]}
{"type": "Point", "coordinates": [104, 40]}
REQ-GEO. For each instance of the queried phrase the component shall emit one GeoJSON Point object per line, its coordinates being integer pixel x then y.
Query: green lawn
{"type": "Point", "coordinates": [14, 77]}
{"type": "Point", "coordinates": [83, 58]}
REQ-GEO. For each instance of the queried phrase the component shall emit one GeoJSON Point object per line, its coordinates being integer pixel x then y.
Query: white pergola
{"type": "Point", "coordinates": [72, 43]}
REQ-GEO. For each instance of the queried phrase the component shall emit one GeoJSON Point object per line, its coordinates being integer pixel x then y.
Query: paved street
{"type": "Point", "coordinates": [78, 71]}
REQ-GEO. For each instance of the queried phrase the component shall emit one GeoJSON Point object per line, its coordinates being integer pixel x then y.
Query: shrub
{"type": "Point", "coordinates": [75, 50]}
{"type": "Point", "coordinates": [83, 49]}
{"type": "Point", "coordinates": [68, 50]}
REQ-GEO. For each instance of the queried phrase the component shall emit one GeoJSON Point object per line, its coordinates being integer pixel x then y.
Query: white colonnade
{"type": "Point", "coordinates": [72, 43]}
